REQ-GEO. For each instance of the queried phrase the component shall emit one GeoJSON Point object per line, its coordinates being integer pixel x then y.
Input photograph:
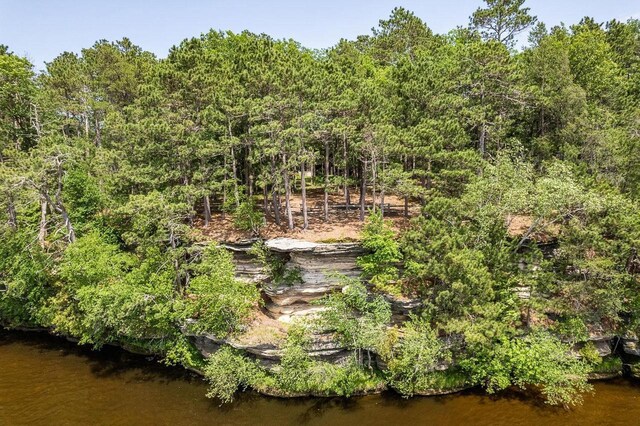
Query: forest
{"type": "Point", "coordinates": [115, 164]}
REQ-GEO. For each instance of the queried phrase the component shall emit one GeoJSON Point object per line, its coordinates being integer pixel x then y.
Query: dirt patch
{"type": "Point", "coordinates": [343, 223]}
{"type": "Point", "coordinates": [519, 225]}
{"type": "Point", "coordinates": [263, 330]}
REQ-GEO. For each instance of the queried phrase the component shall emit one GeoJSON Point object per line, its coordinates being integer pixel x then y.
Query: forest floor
{"type": "Point", "coordinates": [342, 225]}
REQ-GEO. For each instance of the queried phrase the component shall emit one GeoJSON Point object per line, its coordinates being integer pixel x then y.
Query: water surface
{"type": "Point", "coordinates": [49, 381]}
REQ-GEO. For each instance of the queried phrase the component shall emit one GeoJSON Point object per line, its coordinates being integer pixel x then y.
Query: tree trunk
{"type": "Point", "coordinates": [347, 196]}
{"type": "Point", "coordinates": [303, 196]}
{"type": "Point", "coordinates": [247, 173]}
{"type": "Point", "coordinates": [207, 210]}
{"type": "Point", "coordinates": [98, 138]}
{"type": "Point", "coordinates": [287, 192]}
{"type": "Point", "coordinates": [42, 233]}
{"type": "Point", "coordinates": [363, 189]}
{"type": "Point", "coordinates": [275, 194]}
{"type": "Point", "coordinates": [59, 206]}
{"type": "Point", "coordinates": [406, 198]}
{"type": "Point", "coordinates": [326, 181]}
{"type": "Point", "coordinates": [234, 166]}
{"type": "Point", "coordinates": [11, 213]}
{"type": "Point", "coordinates": [481, 144]}
{"type": "Point", "coordinates": [234, 169]}
{"type": "Point", "coordinates": [276, 206]}
{"type": "Point", "coordinates": [265, 200]}
{"type": "Point", "coordinates": [382, 188]}
{"type": "Point", "coordinates": [406, 206]}
{"type": "Point", "coordinates": [36, 121]}
{"type": "Point", "coordinates": [224, 188]}
{"type": "Point", "coordinates": [190, 201]}
{"type": "Point", "coordinates": [71, 233]}
{"type": "Point", "coordinates": [303, 177]}
{"type": "Point", "coordinates": [373, 180]}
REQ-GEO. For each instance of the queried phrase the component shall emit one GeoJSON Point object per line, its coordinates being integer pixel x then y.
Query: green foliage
{"type": "Point", "coordinates": [502, 20]}
{"type": "Point", "coordinates": [247, 217]}
{"type": "Point", "coordinates": [611, 364]}
{"type": "Point", "coordinates": [380, 264]}
{"type": "Point", "coordinates": [572, 329]}
{"type": "Point", "coordinates": [358, 319]}
{"type": "Point", "coordinates": [297, 374]}
{"type": "Point", "coordinates": [468, 268]}
{"type": "Point", "coordinates": [216, 301]}
{"type": "Point", "coordinates": [83, 194]}
{"type": "Point", "coordinates": [92, 261]}
{"type": "Point", "coordinates": [180, 351]}
{"type": "Point", "coordinates": [227, 370]}
{"type": "Point", "coordinates": [106, 295]}
{"type": "Point", "coordinates": [537, 359]}
{"type": "Point", "coordinates": [416, 360]}
{"type": "Point", "coordinates": [25, 281]}
{"type": "Point", "coordinates": [274, 265]}
{"type": "Point", "coordinates": [590, 354]}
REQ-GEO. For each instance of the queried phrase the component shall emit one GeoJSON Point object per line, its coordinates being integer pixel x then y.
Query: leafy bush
{"type": "Point", "coordinates": [275, 266]}
{"type": "Point", "coordinates": [215, 299]}
{"type": "Point", "coordinates": [227, 370]}
{"type": "Point", "coordinates": [25, 281]}
{"type": "Point", "coordinates": [538, 359]}
{"type": "Point", "coordinates": [608, 365]}
{"type": "Point", "coordinates": [590, 354]}
{"type": "Point", "coordinates": [247, 217]}
{"type": "Point", "coordinates": [414, 359]}
{"type": "Point", "coordinates": [380, 265]}
{"type": "Point", "coordinates": [110, 296]}
{"type": "Point", "coordinates": [358, 320]}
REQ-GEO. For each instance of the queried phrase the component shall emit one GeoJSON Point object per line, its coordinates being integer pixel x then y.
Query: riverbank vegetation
{"type": "Point", "coordinates": [515, 173]}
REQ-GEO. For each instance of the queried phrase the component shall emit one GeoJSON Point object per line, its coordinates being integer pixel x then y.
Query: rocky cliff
{"type": "Point", "coordinates": [321, 268]}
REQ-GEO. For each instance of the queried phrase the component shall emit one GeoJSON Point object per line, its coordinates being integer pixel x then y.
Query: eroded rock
{"type": "Point", "coordinates": [630, 345]}
{"type": "Point", "coordinates": [321, 268]}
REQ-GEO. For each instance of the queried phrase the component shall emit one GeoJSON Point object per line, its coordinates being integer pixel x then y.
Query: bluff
{"type": "Point", "coordinates": [319, 269]}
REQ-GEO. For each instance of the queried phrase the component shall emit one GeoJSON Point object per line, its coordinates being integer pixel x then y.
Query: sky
{"type": "Point", "coordinates": [42, 29]}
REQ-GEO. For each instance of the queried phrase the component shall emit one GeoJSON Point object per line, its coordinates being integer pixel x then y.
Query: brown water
{"type": "Point", "coordinates": [48, 381]}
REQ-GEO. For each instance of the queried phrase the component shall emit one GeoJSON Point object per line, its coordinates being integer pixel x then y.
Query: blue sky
{"type": "Point", "coordinates": [41, 29]}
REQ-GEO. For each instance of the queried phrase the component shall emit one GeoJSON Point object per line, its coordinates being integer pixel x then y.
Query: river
{"type": "Point", "coordinates": [48, 381]}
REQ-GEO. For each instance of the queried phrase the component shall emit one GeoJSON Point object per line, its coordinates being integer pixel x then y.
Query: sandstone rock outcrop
{"type": "Point", "coordinates": [630, 345]}
{"type": "Point", "coordinates": [321, 268]}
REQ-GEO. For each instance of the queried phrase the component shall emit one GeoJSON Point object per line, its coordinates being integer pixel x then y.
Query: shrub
{"type": "Point", "coordinates": [247, 217]}
{"type": "Point", "coordinates": [380, 264]}
{"type": "Point", "coordinates": [215, 299]}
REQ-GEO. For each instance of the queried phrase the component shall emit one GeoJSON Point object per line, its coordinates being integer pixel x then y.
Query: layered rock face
{"type": "Point", "coordinates": [630, 345]}
{"type": "Point", "coordinates": [269, 354]}
{"type": "Point", "coordinates": [319, 269]}
{"type": "Point", "coordinates": [247, 266]}
{"type": "Point", "coordinates": [631, 351]}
